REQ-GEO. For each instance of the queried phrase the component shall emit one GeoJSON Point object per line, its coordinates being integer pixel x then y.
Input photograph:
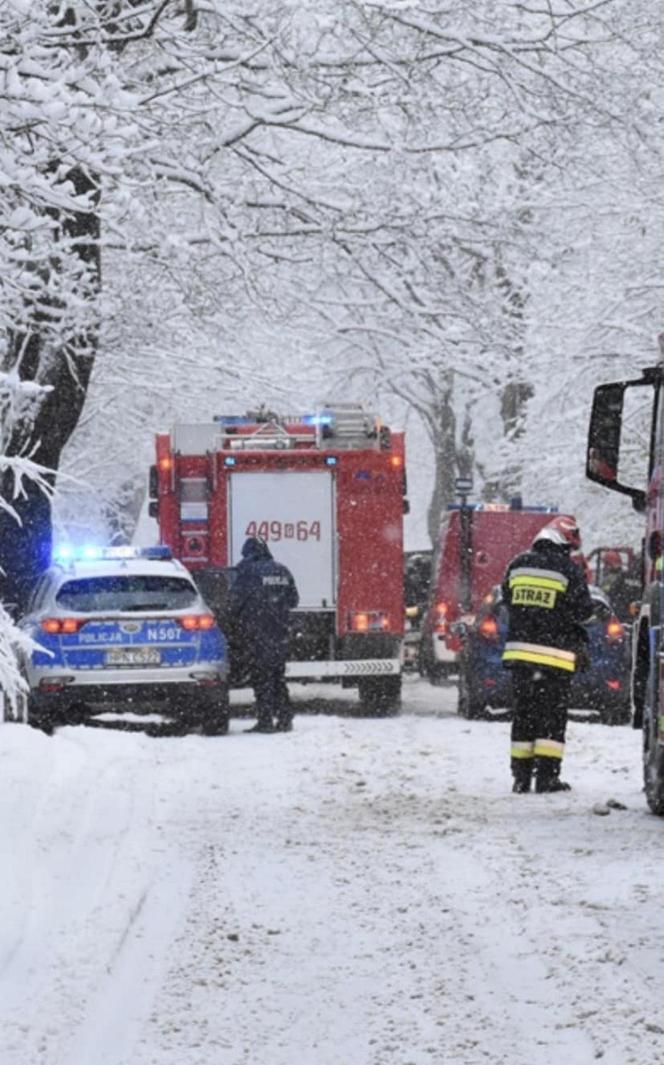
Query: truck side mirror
{"type": "Point", "coordinates": [604, 436]}
{"type": "Point", "coordinates": [153, 508]}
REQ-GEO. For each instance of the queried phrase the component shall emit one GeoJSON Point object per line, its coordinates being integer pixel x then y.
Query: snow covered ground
{"type": "Point", "coordinates": [359, 892]}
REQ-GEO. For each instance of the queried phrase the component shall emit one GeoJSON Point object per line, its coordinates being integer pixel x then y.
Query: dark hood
{"type": "Point", "coordinates": [255, 550]}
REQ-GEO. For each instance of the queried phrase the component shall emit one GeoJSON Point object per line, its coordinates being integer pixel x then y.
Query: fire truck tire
{"type": "Point", "coordinates": [380, 696]}
{"type": "Point", "coordinates": [439, 672]}
{"type": "Point", "coordinates": [469, 704]}
{"type": "Point", "coordinates": [653, 751]}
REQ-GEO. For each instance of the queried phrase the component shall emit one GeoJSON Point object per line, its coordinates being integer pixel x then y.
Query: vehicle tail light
{"type": "Point", "coordinates": [614, 685]}
{"type": "Point", "coordinates": [206, 679]}
{"type": "Point", "coordinates": [488, 628]}
{"type": "Point", "coordinates": [196, 622]}
{"type": "Point", "coordinates": [54, 684]}
{"type": "Point", "coordinates": [614, 630]}
{"type": "Point", "coordinates": [440, 621]}
{"type": "Point", "coordinates": [369, 621]}
{"type": "Point", "coordinates": [65, 626]}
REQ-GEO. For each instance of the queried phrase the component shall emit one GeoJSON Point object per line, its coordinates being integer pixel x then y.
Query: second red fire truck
{"type": "Point", "coordinates": [476, 542]}
{"type": "Point", "coordinates": [326, 491]}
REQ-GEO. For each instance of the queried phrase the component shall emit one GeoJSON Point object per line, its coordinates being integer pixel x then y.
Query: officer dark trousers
{"type": "Point", "coordinates": [271, 692]}
{"type": "Point", "coordinates": [540, 701]}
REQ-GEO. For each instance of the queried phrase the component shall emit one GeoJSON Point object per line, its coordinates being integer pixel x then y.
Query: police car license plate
{"type": "Point", "coordinates": [133, 656]}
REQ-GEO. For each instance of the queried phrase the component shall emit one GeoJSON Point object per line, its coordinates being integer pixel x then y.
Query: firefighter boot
{"type": "Point", "coordinates": [522, 771]}
{"type": "Point", "coordinates": [547, 776]}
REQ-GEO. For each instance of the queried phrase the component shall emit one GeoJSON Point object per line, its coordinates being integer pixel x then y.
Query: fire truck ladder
{"type": "Point", "coordinates": [269, 435]}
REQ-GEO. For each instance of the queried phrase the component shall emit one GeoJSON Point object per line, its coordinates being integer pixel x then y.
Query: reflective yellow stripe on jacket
{"type": "Point", "coordinates": [538, 655]}
{"type": "Point", "coordinates": [530, 580]}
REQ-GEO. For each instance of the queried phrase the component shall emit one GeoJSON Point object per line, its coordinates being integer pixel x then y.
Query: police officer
{"type": "Point", "coordinates": [547, 598]}
{"type": "Point", "coordinates": [260, 601]}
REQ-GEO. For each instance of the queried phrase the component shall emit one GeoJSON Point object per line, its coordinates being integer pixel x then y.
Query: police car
{"type": "Point", "coordinates": [125, 629]}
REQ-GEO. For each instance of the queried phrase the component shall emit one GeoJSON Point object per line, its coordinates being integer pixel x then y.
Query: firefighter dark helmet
{"type": "Point", "coordinates": [563, 531]}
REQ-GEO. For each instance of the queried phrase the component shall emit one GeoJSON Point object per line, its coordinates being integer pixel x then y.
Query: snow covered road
{"type": "Point", "coordinates": [358, 892]}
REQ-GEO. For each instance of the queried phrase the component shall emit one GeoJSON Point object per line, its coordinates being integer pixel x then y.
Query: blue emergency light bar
{"type": "Point", "coordinates": [317, 419]}
{"type": "Point", "coordinates": [93, 553]}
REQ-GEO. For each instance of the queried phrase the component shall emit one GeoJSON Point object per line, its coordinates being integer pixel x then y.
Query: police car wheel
{"type": "Point", "coordinates": [45, 720]}
{"type": "Point", "coordinates": [208, 715]}
{"type": "Point", "coordinates": [615, 715]}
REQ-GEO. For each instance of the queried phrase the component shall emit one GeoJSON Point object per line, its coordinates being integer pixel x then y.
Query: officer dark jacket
{"type": "Point", "coordinates": [260, 600]}
{"type": "Point", "coordinates": [547, 597]}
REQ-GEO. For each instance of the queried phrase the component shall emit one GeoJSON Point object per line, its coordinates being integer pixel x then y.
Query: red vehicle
{"type": "Point", "coordinates": [476, 542]}
{"type": "Point", "coordinates": [327, 493]}
{"type": "Point", "coordinates": [608, 457]}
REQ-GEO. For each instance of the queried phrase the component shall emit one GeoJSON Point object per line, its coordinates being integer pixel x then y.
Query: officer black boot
{"type": "Point", "coordinates": [522, 771]}
{"type": "Point", "coordinates": [262, 725]}
{"type": "Point", "coordinates": [547, 777]}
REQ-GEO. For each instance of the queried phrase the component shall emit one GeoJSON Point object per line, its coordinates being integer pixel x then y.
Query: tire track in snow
{"type": "Point", "coordinates": [80, 912]}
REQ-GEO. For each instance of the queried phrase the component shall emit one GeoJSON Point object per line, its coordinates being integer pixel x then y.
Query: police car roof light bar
{"type": "Point", "coordinates": [93, 553]}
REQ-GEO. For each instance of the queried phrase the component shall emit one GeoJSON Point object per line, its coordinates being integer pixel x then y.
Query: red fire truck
{"type": "Point", "coordinates": [326, 491]}
{"type": "Point", "coordinates": [608, 461]}
{"type": "Point", "coordinates": [476, 542]}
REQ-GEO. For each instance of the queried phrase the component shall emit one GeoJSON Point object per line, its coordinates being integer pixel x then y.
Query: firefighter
{"type": "Point", "coordinates": [614, 584]}
{"type": "Point", "coordinates": [260, 601]}
{"type": "Point", "coordinates": [548, 599]}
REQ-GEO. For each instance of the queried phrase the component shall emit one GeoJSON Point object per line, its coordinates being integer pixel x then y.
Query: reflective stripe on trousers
{"type": "Point", "coordinates": [549, 749]}
{"type": "Point", "coordinates": [538, 655]}
{"type": "Point", "coordinates": [522, 749]}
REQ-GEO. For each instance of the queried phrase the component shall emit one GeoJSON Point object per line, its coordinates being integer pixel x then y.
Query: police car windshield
{"type": "Point", "coordinates": [126, 593]}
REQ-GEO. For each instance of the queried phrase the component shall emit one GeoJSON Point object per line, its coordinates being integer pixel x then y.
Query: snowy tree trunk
{"type": "Point", "coordinates": [41, 434]}
{"type": "Point", "coordinates": [450, 458]}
